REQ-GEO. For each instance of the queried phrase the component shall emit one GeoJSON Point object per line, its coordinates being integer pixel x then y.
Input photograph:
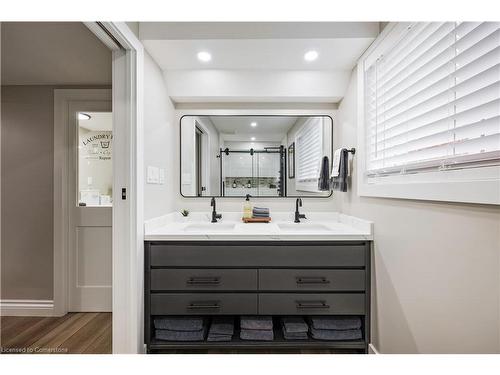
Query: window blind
{"type": "Point", "coordinates": [309, 148]}
{"type": "Point", "coordinates": [432, 99]}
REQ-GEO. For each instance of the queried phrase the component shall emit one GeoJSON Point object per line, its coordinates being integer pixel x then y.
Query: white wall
{"type": "Point", "coordinates": [160, 141]}
{"type": "Point", "coordinates": [436, 286]}
{"type": "Point", "coordinates": [256, 86]}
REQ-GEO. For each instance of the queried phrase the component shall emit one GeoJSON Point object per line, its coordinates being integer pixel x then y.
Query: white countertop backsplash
{"type": "Point", "coordinates": [339, 227]}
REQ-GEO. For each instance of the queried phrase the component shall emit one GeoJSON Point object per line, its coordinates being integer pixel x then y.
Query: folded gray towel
{"type": "Point", "coordinates": [294, 324]}
{"type": "Point", "coordinates": [168, 335]}
{"type": "Point", "coordinates": [256, 322]}
{"type": "Point", "coordinates": [222, 325]}
{"type": "Point", "coordinates": [332, 334]}
{"type": "Point", "coordinates": [335, 322]}
{"type": "Point", "coordinates": [294, 335]}
{"type": "Point", "coordinates": [260, 215]}
{"type": "Point", "coordinates": [257, 334]}
{"type": "Point", "coordinates": [260, 210]}
{"type": "Point", "coordinates": [180, 323]}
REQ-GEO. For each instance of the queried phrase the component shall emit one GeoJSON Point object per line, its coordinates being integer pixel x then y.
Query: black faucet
{"type": "Point", "coordinates": [215, 215]}
{"type": "Point", "coordinates": [298, 215]}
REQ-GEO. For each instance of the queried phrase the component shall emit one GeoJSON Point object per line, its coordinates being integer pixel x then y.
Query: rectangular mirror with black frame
{"type": "Point", "coordinates": [264, 156]}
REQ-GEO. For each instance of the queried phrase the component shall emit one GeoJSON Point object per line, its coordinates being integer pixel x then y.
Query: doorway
{"type": "Point", "coordinates": [90, 253]}
{"type": "Point", "coordinates": [198, 144]}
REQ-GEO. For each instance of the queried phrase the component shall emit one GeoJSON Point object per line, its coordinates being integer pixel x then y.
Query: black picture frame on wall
{"type": "Point", "coordinates": [291, 161]}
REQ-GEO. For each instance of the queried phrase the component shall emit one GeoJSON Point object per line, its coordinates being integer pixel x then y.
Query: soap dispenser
{"type": "Point", "coordinates": [247, 208]}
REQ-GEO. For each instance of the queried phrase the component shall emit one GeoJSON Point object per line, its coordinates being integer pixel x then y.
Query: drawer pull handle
{"type": "Point", "coordinates": [312, 305]}
{"type": "Point", "coordinates": [203, 305]}
{"type": "Point", "coordinates": [203, 281]}
{"type": "Point", "coordinates": [312, 280]}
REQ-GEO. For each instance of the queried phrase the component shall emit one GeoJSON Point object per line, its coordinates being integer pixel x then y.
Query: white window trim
{"type": "Point", "coordinates": [476, 185]}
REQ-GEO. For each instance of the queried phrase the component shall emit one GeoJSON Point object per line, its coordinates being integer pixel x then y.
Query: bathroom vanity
{"type": "Point", "coordinates": [318, 267]}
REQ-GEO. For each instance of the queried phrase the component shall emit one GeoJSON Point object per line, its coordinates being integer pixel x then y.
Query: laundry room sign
{"type": "Point", "coordinates": [96, 145]}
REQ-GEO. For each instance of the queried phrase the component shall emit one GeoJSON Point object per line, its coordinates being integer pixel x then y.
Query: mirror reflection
{"type": "Point", "coordinates": [264, 156]}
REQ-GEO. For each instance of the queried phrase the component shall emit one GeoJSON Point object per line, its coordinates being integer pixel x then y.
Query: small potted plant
{"type": "Point", "coordinates": [185, 214]}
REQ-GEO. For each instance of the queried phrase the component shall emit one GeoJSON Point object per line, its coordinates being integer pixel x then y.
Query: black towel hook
{"type": "Point", "coordinates": [352, 150]}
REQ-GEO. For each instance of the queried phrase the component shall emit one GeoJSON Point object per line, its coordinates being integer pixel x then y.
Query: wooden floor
{"type": "Point", "coordinates": [89, 333]}
{"type": "Point", "coordinates": [72, 333]}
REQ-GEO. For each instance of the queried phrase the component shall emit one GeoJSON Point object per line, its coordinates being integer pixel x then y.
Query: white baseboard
{"type": "Point", "coordinates": [26, 307]}
{"type": "Point", "coordinates": [372, 349]}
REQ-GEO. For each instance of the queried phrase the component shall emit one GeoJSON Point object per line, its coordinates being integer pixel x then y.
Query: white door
{"type": "Point", "coordinates": [90, 206]}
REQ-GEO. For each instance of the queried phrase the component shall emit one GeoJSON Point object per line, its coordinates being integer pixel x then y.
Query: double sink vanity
{"type": "Point", "coordinates": [300, 264]}
{"type": "Point", "coordinates": [320, 266]}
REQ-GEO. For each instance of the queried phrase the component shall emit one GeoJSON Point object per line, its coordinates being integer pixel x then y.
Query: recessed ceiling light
{"type": "Point", "coordinates": [253, 124]}
{"type": "Point", "coordinates": [253, 138]}
{"type": "Point", "coordinates": [204, 56]}
{"type": "Point", "coordinates": [311, 55]}
{"type": "Point", "coordinates": [83, 116]}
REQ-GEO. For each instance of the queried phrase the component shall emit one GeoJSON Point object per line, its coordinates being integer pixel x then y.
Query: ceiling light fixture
{"type": "Point", "coordinates": [253, 124]}
{"type": "Point", "coordinates": [83, 116]}
{"type": "Point", "coordinates": [204, 56]}
{"type": "Point", "coordinates": [311, 55]}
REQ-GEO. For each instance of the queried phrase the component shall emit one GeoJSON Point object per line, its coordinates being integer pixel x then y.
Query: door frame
{"type": "Point", "coordinates": [64, 100]}
{"type": "Point", "coordinates": [128, 172]}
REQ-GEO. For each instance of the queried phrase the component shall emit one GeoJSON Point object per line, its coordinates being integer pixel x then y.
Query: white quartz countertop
{"type": "Point", "coordinates": [319, 226]}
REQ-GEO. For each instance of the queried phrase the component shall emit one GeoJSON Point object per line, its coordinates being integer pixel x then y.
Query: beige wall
{"type": "Point", "coordinates": [27, 182]}
{"type": "Point", "coordinates": [436, 267]}
{"type": "Point", "coordinates": [27, 126]}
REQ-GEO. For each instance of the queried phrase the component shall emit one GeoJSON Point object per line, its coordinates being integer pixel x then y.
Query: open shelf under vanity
{"type": "Point", "coordinates": [279, 342]}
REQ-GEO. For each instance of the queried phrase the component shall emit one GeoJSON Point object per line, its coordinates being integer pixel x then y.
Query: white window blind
{"type": "Point", "coordinates": [432, 99]}
{"type": "Point", "coordinates": [309, 149]}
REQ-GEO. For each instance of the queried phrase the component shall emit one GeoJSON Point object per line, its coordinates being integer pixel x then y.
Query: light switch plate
{"type": "Point", "coordinates": [153, 175]}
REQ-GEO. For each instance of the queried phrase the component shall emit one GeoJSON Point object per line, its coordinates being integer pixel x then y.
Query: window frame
{"type": "Point", "coordinates": [480, 185]}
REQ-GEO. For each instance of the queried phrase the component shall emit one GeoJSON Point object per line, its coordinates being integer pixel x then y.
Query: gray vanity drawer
{"type": "Point", "coordinates": [311, 304]}
{"type": "Point", "coordinates": [311, 280]}
{"type": "Point", "coordinates": [203, 279]}
{"type": "Point", "coordinates": [241, 254]}
{"type": "Point", "coordinates": [203, 303]}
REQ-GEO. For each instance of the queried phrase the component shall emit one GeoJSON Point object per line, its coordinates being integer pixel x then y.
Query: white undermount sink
{"type": "Point", "coordinates": [209, 227]}
{"type": "Point", "coordinates": [303, 227]}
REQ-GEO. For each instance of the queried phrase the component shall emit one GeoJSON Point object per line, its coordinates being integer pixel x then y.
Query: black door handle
{"type": "Point", "coordinates": [203, 305]}
{"type": "Point", "coordinates": [312, 280]}
{"type": "Point", "coordinates": [203, 280]}
{"type": "Point", "coordinates": [312, 305]}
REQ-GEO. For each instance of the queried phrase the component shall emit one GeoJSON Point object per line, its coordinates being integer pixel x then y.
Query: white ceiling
{"type": "Point", "coordinates": [257, 62]}
{"type": "Point", "coordinates": [241, 124]}
{"type": "Point", "coordinates": [258, 54]}
{"type": "Point", "coordinates": [97, 121]}
{"type": "Point", "coordinates": [53, 53]}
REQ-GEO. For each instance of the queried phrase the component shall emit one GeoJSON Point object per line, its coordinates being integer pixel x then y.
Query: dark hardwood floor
{"type": "Point", "coordinates": [71, 333]}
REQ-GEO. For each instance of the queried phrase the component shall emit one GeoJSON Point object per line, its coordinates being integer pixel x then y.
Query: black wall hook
{"type": "Point", "coordinates": [352, 150]}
